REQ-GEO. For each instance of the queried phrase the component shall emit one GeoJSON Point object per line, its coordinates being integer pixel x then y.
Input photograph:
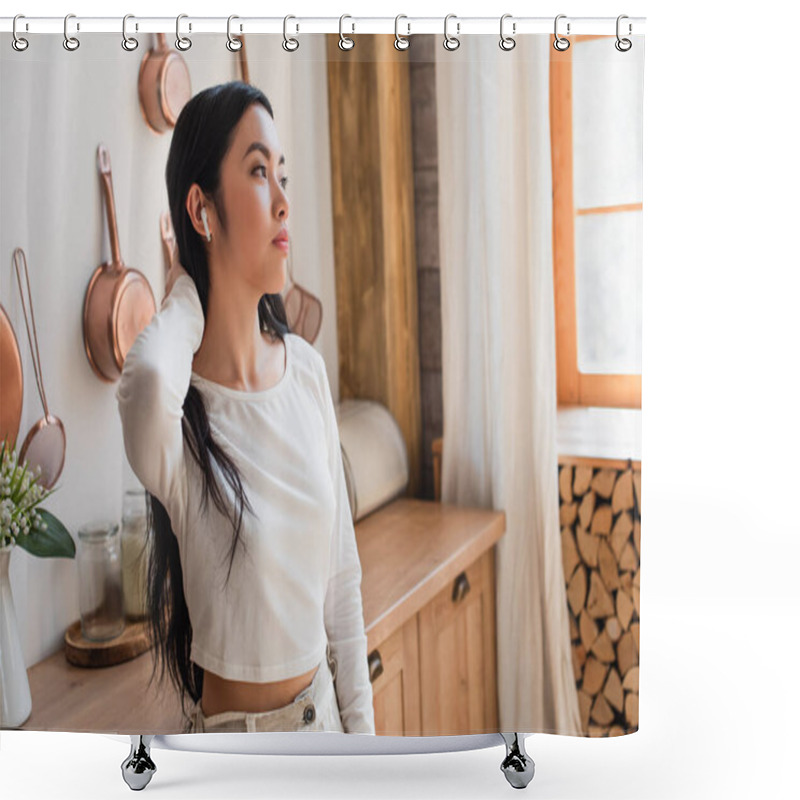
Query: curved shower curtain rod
{"type": "Point", "coordinates": [410, 25]}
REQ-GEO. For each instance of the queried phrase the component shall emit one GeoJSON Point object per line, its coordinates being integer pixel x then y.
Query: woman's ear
{"type": "Point", "coordinates": [195, 202]}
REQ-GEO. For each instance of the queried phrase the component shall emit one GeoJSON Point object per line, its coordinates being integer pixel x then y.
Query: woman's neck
{"type": "Point", "coordinates": [234, 351]}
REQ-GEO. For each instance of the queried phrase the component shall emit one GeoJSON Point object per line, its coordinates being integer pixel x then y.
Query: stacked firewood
{"type": "Point", "coordinates": [600, 508]}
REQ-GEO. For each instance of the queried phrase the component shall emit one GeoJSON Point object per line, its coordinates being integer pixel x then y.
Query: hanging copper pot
{"type": "Point", "coordinates": [119, 302]}
{"type": "Point", "coordinates": [164, 86]}
{"type": "Point", "coordinates": [10, 381]}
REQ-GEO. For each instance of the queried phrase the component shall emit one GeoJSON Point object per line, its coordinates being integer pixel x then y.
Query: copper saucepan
{"type": "Point", "coordinates": [164, 86]}
{"type": "Point", "coordinates": [10, 381]}
{"type": "Point", "coordinates": [119, 302]}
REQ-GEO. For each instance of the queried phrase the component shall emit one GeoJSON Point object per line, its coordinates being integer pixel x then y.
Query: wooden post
{"type": "Point", "coordinates": [374, 246]}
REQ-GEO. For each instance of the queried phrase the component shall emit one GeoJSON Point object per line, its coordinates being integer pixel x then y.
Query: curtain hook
{"type": "Point", "coordinates": [129, 43]}
{"type": "Point", "coordinates": [451, 42]}
{"type": "Point", "coordinates": [345, 42]}
{"type": "Point", "coordinates": [401, 42]}
{"type": "Point", "coordinates": [623, 45]}
{"type": "Point", "coordinates": [18, 43]}
{"type": "Point", "coordinates": [507, 42]}
{"type": "Point", "coordinates": [233, 44]}
{"type": "Point", "coordinates": [559, 40]}
{"type": "Point", "coordinates": [182, 42]}
{"type": "Point", "coordinates": [290, 44]}
{"type": "Point", "coordinates": [70, 43]}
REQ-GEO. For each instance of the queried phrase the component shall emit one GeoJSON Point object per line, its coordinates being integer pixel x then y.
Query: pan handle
{"type": "Point", "coordinates": [243, 61]}
{"type": "Point", "coordinates": [163, 47]}
{"type": "Point", "coordinates": [104, 166]}
{"type": "Point", "coordinates": [167, 240]}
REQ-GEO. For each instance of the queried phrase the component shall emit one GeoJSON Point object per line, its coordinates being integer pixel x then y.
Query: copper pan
{"type": "Point", "coordinates": [45, 446]}
{"type": "Point", "coordinates": [164, 86]}
{"type": "Point", "coordinates": [303, 309]}
{"type": "Point", "coordinates": [119, 302]}
{"type": "Point", "coordinates": [10, 381]}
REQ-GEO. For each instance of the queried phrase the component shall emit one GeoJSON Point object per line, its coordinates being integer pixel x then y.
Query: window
{"type": "Point", "coordinates": [596, 135]}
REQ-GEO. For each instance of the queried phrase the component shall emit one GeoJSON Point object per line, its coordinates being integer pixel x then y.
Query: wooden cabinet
{"type": "Point", "coordinates": [429, 601]}
{"type": "Point", "coordinates": [458, 655]}
{"type": "Point", "coordinates": [439, 674]}
{"type": "Point", "coordinates": [395, 685]}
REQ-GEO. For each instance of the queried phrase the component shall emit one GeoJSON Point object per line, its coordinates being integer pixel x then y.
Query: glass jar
{"type": "Point", "coordinates": [135, 552]}
{"type": "Point", "coordinates": [100, 578]}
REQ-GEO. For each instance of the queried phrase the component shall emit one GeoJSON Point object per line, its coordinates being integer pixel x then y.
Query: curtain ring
{"type": "Point", "coordinates": [401, 42]}
{"type": "Point", "coordinates": [18, 43]}
{"type": "Point", "coordinates": [559, 42]}
{"type": "Point", "coordinates": [70, 42]}
{"type": "Point", "coordinates": [451, 42]}
{"type": "Point", "coordinates": [623, 45]}
{"type": "Point", "coordinates": [290, 44]}
{"type": "Point", "coordinates": [507, 42]}
{"type": "Point", "coordinates": [128, 42]}
{"type": "Point", "coordinates": [233, 44]}
{"type": "Point", "coordinates": [345, 42]}
{"type": "Point", "coordinates": [182, 42]}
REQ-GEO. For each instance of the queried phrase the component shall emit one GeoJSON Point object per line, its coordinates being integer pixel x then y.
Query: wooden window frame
{"type": "Point", "coordinates": [575, 387]}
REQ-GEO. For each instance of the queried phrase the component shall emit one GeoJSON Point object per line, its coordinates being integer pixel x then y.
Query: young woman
{"type": "Point", "coordinates": [255, 600]}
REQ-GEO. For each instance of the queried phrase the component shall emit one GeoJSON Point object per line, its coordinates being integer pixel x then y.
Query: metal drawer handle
{"type": "Point", "coordinates": [375, 666]}
{"type": "Point", "coordinates": [461, 587]}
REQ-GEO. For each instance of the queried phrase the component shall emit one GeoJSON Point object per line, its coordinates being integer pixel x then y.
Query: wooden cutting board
{"type": "Point", "coordinates": [84, 653]}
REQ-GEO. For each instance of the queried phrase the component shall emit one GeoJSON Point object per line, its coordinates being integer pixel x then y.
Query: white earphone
{"type": "Point", "coordinates": [205, 222]}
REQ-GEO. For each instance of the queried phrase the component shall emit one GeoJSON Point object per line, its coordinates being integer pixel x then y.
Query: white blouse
{"type": "Point", "coordinates": [295, 582]}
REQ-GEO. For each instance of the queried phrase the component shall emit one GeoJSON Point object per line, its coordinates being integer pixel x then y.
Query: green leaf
{"type": "Point", "coordinates": [52, 542]}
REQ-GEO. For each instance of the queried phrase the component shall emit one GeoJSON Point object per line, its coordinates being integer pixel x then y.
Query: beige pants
{"type": "Point", "coordinates": [313, 709]}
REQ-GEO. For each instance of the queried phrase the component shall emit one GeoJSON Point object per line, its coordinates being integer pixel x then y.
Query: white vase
{"type": "Point", "coordinates": [15, 691]}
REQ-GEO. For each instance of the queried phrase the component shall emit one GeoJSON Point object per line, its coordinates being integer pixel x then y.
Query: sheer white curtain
{"type": "Point", "coordinates": [498, 355]}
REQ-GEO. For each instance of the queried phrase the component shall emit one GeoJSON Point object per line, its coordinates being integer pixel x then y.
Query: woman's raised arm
{"type": "Point", "coordinates": [155, 380]}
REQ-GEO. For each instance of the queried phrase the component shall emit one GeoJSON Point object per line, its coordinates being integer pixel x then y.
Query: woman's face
{"type": "Point", "coordinates": [253, 184]}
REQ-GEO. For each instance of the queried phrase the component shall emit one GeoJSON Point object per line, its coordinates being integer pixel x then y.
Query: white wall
{"type": "Point", "coordinates": [56, 107]}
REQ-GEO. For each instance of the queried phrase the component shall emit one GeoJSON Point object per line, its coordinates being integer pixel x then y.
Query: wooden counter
{"type": "Point", "coordinates": [410, 551]}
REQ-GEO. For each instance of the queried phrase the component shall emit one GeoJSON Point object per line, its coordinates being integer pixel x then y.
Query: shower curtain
{"type": "Point", "coordinates": [468, 224]}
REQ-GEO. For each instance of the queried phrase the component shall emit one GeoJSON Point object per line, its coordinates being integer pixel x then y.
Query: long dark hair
{"type": "Point", "coordinates": [202, 136]}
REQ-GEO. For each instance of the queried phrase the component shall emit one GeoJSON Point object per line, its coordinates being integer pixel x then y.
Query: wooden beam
{"type": "Point", "coordinates": [374, 240]}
